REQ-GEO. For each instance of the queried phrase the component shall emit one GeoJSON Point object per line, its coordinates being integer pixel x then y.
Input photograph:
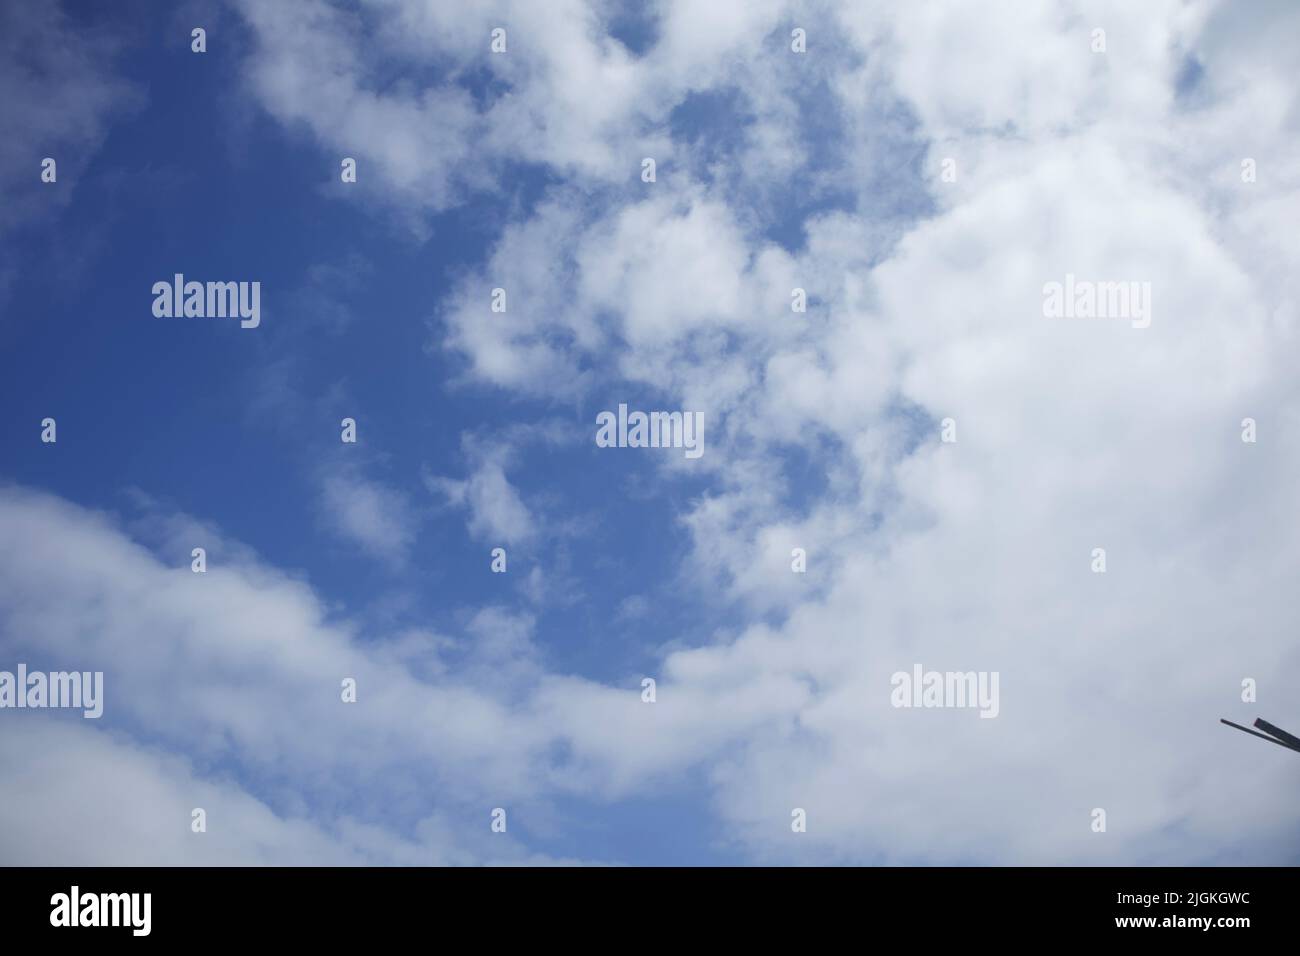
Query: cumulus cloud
{"type": "Point", "coordinates": [224, 687]}
{"type": "Point", "coordinates": [1072, 435]}
{"type": "Point", "coordinates": [973, 555]}
{"type": "Point", "coordinates": [241, 668]}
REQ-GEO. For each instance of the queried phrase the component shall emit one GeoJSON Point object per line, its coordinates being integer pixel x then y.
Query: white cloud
{"type": "Point", "coordinates": [1072, 435]}
{"type": "Point", "coordinates": [368, 513]}
{"type": "Point", "coordinates": [973, 556]}
{"type": "Point", "coordinates": [497, 514]}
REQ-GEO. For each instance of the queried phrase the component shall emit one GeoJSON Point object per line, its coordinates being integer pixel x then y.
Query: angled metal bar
{"type": "Point", "coordinates": [1255, 733]}
{"type": "Point", "coordinates": [1289, 739]}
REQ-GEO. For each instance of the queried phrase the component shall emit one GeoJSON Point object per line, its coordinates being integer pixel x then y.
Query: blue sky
{"type": "Point", "coordinates": [174, 409]}
{"type": "Point", "coordinates": [775, 170]}
{"type": "Point", "coordinates": [351, 327]}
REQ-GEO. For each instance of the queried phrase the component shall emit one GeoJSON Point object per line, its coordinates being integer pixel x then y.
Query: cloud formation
{"type": "Point", "coordinates": [924, 303]}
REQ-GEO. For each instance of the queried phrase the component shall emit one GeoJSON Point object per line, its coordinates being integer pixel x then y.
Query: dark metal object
{"type": "Point", "coordinates": [1272, 734]}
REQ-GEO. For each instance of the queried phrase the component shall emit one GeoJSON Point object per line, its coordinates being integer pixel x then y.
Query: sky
{"type": "Point", "coordinates": [921, 171]}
